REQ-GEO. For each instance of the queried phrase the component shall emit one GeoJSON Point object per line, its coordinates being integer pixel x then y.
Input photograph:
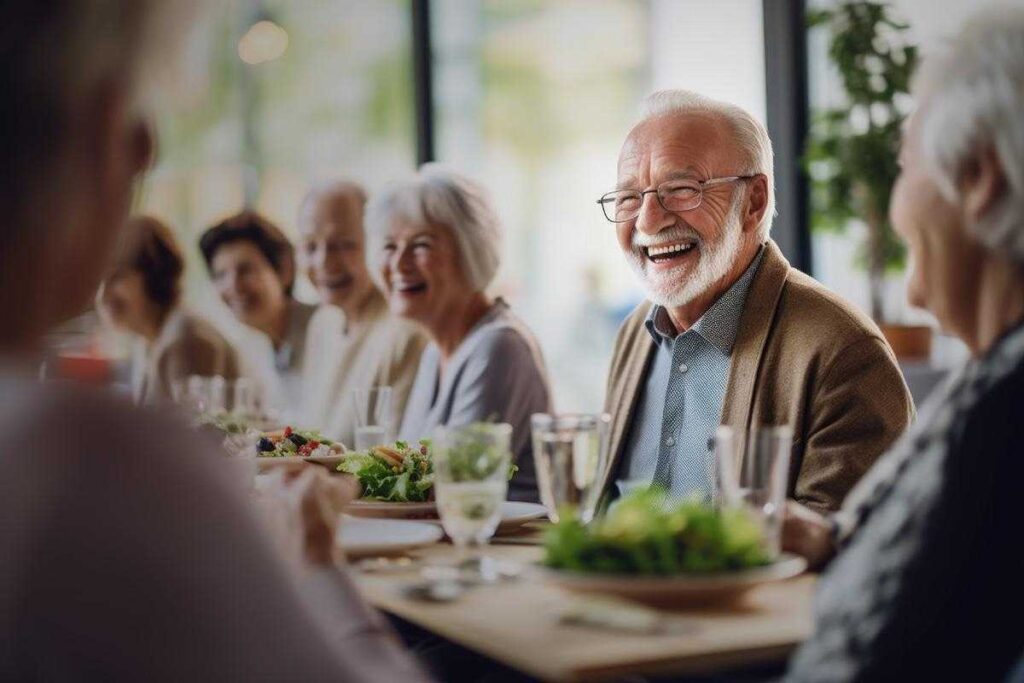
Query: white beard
{"type": "Point", "coordinates": [673, 288]}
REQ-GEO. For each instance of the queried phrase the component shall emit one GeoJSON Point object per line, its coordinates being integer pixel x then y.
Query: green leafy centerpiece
{"type": "Point", "coordinates": [643, 534]}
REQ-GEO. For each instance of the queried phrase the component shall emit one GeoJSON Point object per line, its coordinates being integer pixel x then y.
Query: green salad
{"type": "Point", "coordinates": [643, 534]}
{"type": "Point", "coordinates": [403, 474]}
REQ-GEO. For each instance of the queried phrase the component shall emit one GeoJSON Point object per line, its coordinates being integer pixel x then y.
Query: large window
{"type": "Point", "coordinates": [535, 98]}
{"type": "Point", "coordinates": [336, 103]}
{"type": "Point", "coordinates": [531, 97]}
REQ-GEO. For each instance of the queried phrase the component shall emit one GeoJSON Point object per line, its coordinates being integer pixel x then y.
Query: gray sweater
{"type": "Point", "coordinates": [130, 554]}
{"type": "Point", "coordinates": [497, 374]}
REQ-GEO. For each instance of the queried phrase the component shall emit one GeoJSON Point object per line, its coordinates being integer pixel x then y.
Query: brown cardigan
{"type": "Point", "coordinates": [803, 357]}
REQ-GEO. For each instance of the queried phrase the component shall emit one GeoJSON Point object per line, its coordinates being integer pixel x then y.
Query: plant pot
{"type": "Point", "coordinates": [909, 342]}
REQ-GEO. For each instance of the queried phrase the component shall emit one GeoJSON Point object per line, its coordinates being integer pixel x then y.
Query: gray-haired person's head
{"type": "Point", "coordinates": [970, 94]}
{"type": "Point", "coordinates": [440, 196]}
{"type": "Point", "coordinates": [59, 58]}
{"type": "Point", "coordinates": [751, 137]}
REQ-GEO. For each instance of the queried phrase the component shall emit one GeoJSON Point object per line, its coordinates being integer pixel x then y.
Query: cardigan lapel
{"type": "Point", "coordinates": [626, 391]}
{"type": "Point", "coordinates": [751, 340]}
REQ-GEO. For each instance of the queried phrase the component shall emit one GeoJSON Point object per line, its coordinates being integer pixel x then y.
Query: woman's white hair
{"type": "Point", "coordinates": [441, 196]}
{"type": "Point", "coordinates": [972, 101]}
{"type": "Point", "coordinates": [751, 135]}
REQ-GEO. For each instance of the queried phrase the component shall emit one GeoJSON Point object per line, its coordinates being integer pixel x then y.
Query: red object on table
{"type": "Point", "coordinates": [87, 368]}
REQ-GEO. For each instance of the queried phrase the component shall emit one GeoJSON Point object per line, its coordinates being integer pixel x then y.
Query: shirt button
{"type": "Point", "coordinates": [670, 441]}
{"type": "Point", "coordinates": [683, 367]}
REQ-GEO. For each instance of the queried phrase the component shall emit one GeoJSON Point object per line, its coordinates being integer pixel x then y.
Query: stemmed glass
{"type": "Point", "coordinates": [471, 466]}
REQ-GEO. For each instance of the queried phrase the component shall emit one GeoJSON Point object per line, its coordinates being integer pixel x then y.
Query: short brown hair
{"type": "Point", "coordinates": [249, 226]}
{"type": "Point", "coordinates": [151, 249]}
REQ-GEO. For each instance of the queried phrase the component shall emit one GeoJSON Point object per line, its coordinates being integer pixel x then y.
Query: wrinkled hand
{"type": "Point", "coordinates": [808, 534]}
{"type": "Point", "coordinates": [306, 503]}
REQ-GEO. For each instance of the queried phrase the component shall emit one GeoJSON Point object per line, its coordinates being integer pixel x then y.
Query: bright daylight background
{"type": "Point", "coordinates": [532, 97]}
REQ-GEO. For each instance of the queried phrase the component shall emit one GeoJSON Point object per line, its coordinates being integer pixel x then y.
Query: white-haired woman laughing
{"type": "Point", "coordinates": [434, 247]}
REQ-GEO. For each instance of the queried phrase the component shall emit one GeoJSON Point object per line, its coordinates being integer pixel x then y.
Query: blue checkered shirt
{"type": "Point", "coordinates": [680, 406]}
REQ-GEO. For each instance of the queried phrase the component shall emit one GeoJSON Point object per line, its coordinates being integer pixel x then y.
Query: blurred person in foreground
{"type": "Point", "coordinates": [730, 333]}
{"type": "Point", "coordinates": [365, 346]}
{"type": "Point", "coordinates": [434, 246]}
{"type": "Point", "coordinates": [142, 297]}
{"type": "Point", "coordinates": [129, 553]}
{"type": "Point", "coordinates": [252, 265]}
{"type": "Point", "coordinates": [927, 583]}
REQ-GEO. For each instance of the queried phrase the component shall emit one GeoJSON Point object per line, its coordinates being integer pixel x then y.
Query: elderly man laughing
{"type": "Point", "coordinates": [731, 333]}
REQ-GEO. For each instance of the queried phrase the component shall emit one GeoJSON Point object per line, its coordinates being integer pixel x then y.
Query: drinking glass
{"type": "Point", "coordinates": [373, 417]}
{"type": "Point", "coordinates": [471, 466]}
{"type": "Point", "coordinates": [246, 399]}
{"type": "Point", "coordinates": [756, 480]}
{"type": "Point", "coordinates": [570, 453]}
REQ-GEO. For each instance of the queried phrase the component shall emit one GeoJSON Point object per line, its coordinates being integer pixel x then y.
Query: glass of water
{"type": "Point", "coordinates": [471, 466]}
{"type": "Point", "coordinates": [570, 453]}
{"type": "Point", "coordinates": [756, 480]}
{"type": "Point", "coordinates": [374, 417]}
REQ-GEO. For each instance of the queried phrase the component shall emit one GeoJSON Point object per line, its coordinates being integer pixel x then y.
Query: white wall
{"type": "Point", "coordinates": [715, 47]}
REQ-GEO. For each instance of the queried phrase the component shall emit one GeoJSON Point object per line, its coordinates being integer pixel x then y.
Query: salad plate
{"type": "Point", "coordinates": [681, 590]}
{"type": "Point", "coordinates": [665, 553]}
{"type": "Point", "coordinates": [361, 537]}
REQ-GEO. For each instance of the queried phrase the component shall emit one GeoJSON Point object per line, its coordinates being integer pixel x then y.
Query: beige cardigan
{"type": "Point", "coordinates": [804, 357]}
{"type": "Point", "coordinates": [187, 345]}
{"type": "Point", "coordinates": [378, 350]}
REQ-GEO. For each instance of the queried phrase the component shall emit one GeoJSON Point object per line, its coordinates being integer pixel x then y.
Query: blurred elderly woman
{"type": "Point", "coordinates": [142, 298]}
{"type": "Point", "coordinates": [927, 581]}
{"type": "Point", "coordinates": [252, 265]}
{"type": "Point", "coordinates": [129, 553]}
{"type": "Point", "coordinates": [434, 244]}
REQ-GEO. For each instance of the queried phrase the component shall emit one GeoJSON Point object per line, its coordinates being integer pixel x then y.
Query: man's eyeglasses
{"type": "Point", "coordinates": [620, 206]}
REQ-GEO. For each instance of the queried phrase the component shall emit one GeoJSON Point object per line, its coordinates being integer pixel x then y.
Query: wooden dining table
{"type": "Point", "coordinates": [520, 623]}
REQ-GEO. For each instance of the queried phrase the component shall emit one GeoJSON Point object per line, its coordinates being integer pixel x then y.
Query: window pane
{"type": "Point", "coordinates": [337, 103]}
{"type": "Point", "coordinates": [534, 98]}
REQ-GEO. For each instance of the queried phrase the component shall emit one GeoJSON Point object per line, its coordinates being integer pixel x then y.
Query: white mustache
{"type": "Point", "coordinates": [670, 236]}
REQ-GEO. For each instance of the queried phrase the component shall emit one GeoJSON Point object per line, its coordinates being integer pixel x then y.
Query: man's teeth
{"type": "Point", "coordinates": [669, 249]}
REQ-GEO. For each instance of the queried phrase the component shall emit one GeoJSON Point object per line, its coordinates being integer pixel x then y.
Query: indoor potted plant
{"type": "Point", "coordinates": [852, 150]}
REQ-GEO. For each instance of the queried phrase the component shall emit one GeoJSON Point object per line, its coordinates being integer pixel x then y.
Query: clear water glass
{"type": "Point", "coordinates": [756, 480]}
{"type": "Point", "coordinates": [570, 453]}
{"type": "Point", "coordinates": [246, 399]}
{"type": "Point", "coordinates": [471, 467]}
{"type": "Point", "coordinates": [374, 417]}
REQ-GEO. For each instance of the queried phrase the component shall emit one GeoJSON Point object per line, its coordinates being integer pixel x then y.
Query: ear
{"type": "Point", "coordinates": [981, 184]}
{"type": "Point", "coordinates": [757, 202]}
{"type": "Point", "coordinates": [287, 272]}
{"type": "Point", "coordinates": [144, 145]}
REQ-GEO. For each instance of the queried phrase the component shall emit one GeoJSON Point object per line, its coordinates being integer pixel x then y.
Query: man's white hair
{"type": "Point", "coordinates": [972, 90]}
{"type": "Point", "coordinates": [348, 191]}
{"type": "Point", "coordinates": [441, 196]}
{"type": "Point", "coordinates": [750, 135]}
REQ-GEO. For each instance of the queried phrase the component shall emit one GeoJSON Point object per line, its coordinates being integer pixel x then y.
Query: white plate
{"type": "Point", "coordinates": [360, 537]}
{"type": "Point", "coordinates": [266, 464]}
{"type": "Point", "coordinates": [382, 509]}
{"type": "Point", "coordinates": [515, 514]}
{"type": "Point", "coordinates": [678, 591]}
{"type": "Point", "coordinates": [331, 462]}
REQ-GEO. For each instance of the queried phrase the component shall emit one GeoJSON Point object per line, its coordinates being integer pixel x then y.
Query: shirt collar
{"type": "Point", "coordinates": [720, 323]}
